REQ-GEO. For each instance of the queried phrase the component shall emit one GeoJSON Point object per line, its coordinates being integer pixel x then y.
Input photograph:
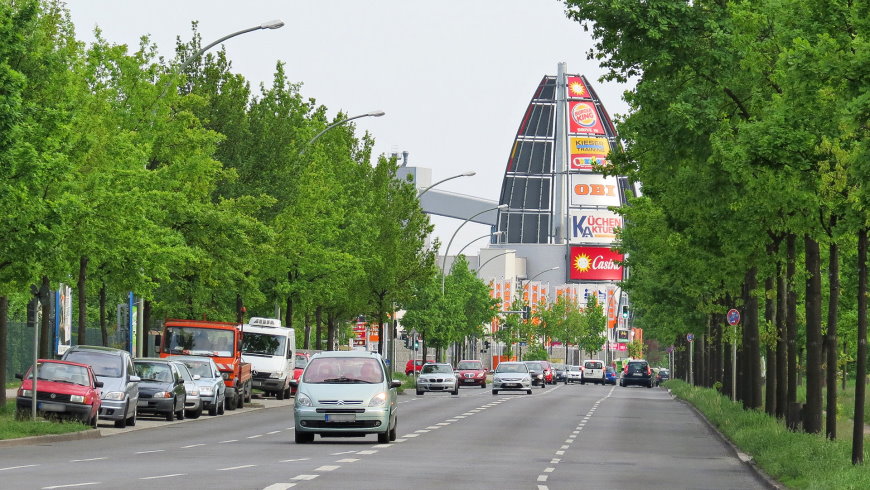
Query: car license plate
{"type": "Point", "coordinates": [341, 417]}
{"type": "Point", "coordinates": [49, 407]}
{"type": "Point", "coordinates": [511, 385]}
{"type": "Point", "coordinates": [469, 381]}
{"type": "Point", "coordinates": [638, 374]}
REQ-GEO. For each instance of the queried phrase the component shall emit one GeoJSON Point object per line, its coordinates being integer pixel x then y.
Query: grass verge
{"type": "Point", "coordinates": [796, 459]}
{"type": "Point", "coordinates": [408, 382]}
{"type": "Point", "coordinates": [14, 429]}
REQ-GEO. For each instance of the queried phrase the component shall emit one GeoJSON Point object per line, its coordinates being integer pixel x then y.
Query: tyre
{"type": "Point", "coordinates": [288, 392]}
{"type": "Point", "coordinates": [93, 423]}
{"type": "Point", "coordinates": [248, 392]}
{"type": "Point", "coordinates": [528, 392]}
{"type": "Point", "coordinates": [213, 409]}
{"type": "Point", "coordinates": [543, 385]}
{"type": "Point", "coordinates": [393, 431]}
{"type": "Point", "coordinates": [483, 385]}
{"type": "Point", "coordinates": [170, 417]}
{"type": "Point", "coordinates": [233, 403]}
{"type": "Point", "coordinates": [222, 409]}
{"type": "Point", "coordinates": [384, 437]}
{"type": "Point", "coordinates": [194, 414]}
{"type": "Point", "coordinates": [455, 390]}
{"type": "Point", "coordinates": [240, 398]}
{"type": "Point", "coordinates": [419, 393]}
{"type": "Point", "coordinates": [121, 424]}
{"type": "Point", "coordinates": [582, 382]}
{"type": "Point", "coordinates": [303, 437]}
{"type": "Point", "coordinates": [495, 392]}
{"type": "Point", "coordinates": [132, 420]}
{"type": "Point", "coordinates": [279, 395]}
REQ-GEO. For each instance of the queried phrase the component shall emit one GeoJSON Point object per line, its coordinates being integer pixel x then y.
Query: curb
{"type": "Point", "coordinates": [72, 436]}
{"type": "Point", "coordinates": [743, 457]}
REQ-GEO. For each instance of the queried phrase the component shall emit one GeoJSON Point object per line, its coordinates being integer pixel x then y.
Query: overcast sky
{"type": "Point", "coordinates": [454, 77]}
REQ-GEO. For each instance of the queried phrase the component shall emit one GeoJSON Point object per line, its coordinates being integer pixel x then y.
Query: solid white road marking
{"type": "Point", "coordinates": [237, 467]}
{"type": "Point", "coordinates": [89, 459]}
{"type": "Point", "coordinates": [17, 467]}
{"type": "Point", "coordinates": [162, 476]}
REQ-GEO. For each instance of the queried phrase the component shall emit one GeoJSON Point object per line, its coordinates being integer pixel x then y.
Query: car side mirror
{"type": "Point", "coordinates": [294, 383]}
{"type": "Point", "coordinates": [196, 377]}
{"type": "Point", "coordinates": [19, 376]}
{"type": "Point", "coordinates": [135, 379]}
{"type": "Point", "coordinates": [395, 383]}
{"type": "Point", "coordinates": [98, 384]}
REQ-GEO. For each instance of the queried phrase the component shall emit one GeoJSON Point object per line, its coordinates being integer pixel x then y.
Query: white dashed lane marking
{"type": "Point", "coordinates": [89, 459]}
{"type": "Point", "coordinates": [162, 476]}
{"type": "Point", "coordinates": [327, 468]}
{"type": "Point", "coordinates": [19, 467]}
{"type": "Point", "coordinates": [237, 467]}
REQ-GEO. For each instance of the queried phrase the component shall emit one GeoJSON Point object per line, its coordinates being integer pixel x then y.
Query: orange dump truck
{"type": "Point", "coordinates": [222, 342]}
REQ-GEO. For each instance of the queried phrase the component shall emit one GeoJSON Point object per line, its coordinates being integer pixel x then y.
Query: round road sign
{"type": "Point", "coordinates": [690, 337]}
{"type": "Point", "coordinates": [733, 317]}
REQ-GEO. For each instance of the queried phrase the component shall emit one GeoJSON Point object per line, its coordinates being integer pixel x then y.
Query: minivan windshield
{"type": "Point", "coordinates": [261, 344]}
{"type": "Point", "coordinates": [329, 370]}
{"type": "Point", "coordinates": [107, 365]}
{"type": "Point", "coordinates": [470, 365]}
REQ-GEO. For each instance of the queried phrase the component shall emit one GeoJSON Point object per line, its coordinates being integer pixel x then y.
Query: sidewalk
{"type": "Point", "coordinates": [11, 393]}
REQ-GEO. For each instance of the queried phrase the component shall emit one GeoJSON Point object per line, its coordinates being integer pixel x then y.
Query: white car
{"type": "Point", "coordinates": [593, 372]}
{"type": "Point", "coordinates": [573, 374]}
{"type": "Point", "coordinates": [512, 376]}
{"type": "Point", "coordinates": [437, 376]}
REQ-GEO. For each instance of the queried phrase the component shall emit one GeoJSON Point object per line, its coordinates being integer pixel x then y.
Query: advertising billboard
{"type": "Point", "coordinates": [594, 190]}
{"type": "Point", "coordinates": [586, 150]}
{"type": "Point", "coordinates": [577, 89]}
{"type": "Point", "coordinates": [594, 264]}
{"type": "Point", "coordinates": [593, 226]}
{"type": "Point", "coordinates": [583, 118]}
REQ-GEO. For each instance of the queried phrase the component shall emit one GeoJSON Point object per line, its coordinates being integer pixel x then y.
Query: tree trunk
{"type": "Point", "coordinates": [727, 379]}
{"type": "Point", "coordinates": [318, 327]}
{"type": "Point", "coordinates": [753, 345]}
{"type": "Point", "coordinates": [83, 300]}
{"type": "Point", "coordinates": [861, 368]}
{"type": "Point", "coordinates": [781, 345]}
{"type": "Point", "coordinates": [770, 376]}
{"type": "Point", "coordinates": [240, 309]}
{"type": "Point", "coordinates": [104, 332]}
{"type": "Point", "coordinates": [306, 342]}
{"type": "Point", "coordinates": [813, 410]}
{"type": "Point", "coordinates": [4, 352]}
{"type": "Point", "coordinates": [45, 322]}
{"type": "Point", "coordinates": [330, 330]}
{"type": "Point", "coordinates": [831, 344]}
{"type": "Point", "coordinates": [791, 320]}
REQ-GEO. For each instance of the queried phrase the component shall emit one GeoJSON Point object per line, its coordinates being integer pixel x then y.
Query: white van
{"type": "Point", "coordinates": [270, 349]}
{"type": "Point", "coordinates": [593, 372]}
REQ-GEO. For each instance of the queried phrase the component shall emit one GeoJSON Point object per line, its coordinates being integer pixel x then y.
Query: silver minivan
{"type": "Point", "coordinates": [345, 394]}
{"type": "Point", "coordinates": [114, 367]}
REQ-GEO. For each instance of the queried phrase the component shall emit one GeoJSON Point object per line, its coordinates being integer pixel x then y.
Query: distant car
{"type": "Point", "coordinates": [414, 366]}
{"type": "Point", "coordinates": [192, 401]}
{"type": "Point", "coordinates": [610, 376]}
{"type": "Point", "coordinates": [573, 374]}
{"type": "Point", "coordinates": [471, 373]}
{"type": "Point", "coordinates": [161, 390]}
{"type": "Point", "coordinates": [299, 363]}
{"type": "Point", "coordinates": [662, 376]}
{"type": "Point", "coordinates": [212, 390]}
{"type": "Point", "coordinates": [512, 376]}
{"type": "Point", "coordinates": [536, 371]}
{"type": "Point", "coordinates": [559, 370]}
{"type": "Point", "coordinates": [637, 372]}
{"type": "Point", "coordinates": [114, 368]}
{"type": "Point", "coordinates": [437, 376]}
{"type": "Point", "coordinates": [593, 372]}
{"type": "Point", "coordinates": [64, 390]}
{"type": "Point", "coordinates": [346, 393]}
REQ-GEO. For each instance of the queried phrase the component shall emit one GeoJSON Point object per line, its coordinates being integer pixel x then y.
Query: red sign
{"type": "Point", "coordinates": [577, 89]}
{"type": "Point", "coordinates": [594, 264]}
{"type": "Point", "coordinates": [583, 118]}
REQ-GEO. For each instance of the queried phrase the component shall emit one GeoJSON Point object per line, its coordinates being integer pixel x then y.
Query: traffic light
{"type": "Point", "coordinates": [486, 344]}
{"type": "Point", "coordinates": [416, 344]}
{"type": "Point", "coordinates": [527, 312]}
{"type": "Point", "coordinates": [624, 311]}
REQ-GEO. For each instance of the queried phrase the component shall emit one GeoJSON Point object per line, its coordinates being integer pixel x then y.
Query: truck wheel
{"type": "Point", "coordinates": [248, 392]}
{"type": "Point", "coordinates": [279, 395]}
{"type": "Point", "coordinates": [240, 398]}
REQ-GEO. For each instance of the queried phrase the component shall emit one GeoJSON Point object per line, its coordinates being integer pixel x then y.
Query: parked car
{"type": "Point", "coordinates": [212, 390]}
{"type": "Point", "coordinates": [437, 376]}
{"type": "Point", "coordinates": [559, 370]}
{"type": "Point", "coordinates": [119, 396]}
{"type": "Point", "coordinates": [64, 390]}
{"type": "Point", "coordinates": [471, 373]}
{"type": "Point", "coordinates": [512, 376]}
{"type": "Point", "coordinates": [536, 371]}
{"type": "Point", "coordinates": [662, 376]}
{"type": "Point", "coordinates": [299, 363]}
{"type": "Point", "coordinates": [192, 402]}
{"type": "Point", "coordinates": [573, 374]}
{"type": "Point", "coordinates": [346, 393]}
{"type": "Point", "coordinates": [414, 366]}
{"type": "Point", "coordinates": [637, 372]}
{"type": "Point", "coordinates": [593, 372]}
{"type": "Point", "coordinates": [610, 375]}
{"type": "Point", "coordinates": [161, 390]}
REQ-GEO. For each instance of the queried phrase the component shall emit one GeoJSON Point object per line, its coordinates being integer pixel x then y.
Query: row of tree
{"type": "Point", "coordinates": [748, 137]}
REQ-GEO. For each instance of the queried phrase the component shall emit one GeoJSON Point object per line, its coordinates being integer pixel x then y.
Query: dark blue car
{"type": "Point", "coordinates": [610, 376]}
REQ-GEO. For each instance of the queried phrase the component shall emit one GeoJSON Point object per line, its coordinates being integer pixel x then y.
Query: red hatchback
{"type": "Point", "coordinates": [300, 362]}
{"type": "Point", "coordinates": [471, 373]}
{"type": "Point", "coordinates": [413, 366]}
{"type": "Point", "coordinates": [65, 390]}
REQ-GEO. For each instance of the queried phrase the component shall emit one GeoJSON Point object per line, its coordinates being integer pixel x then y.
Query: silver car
{"type": "Point", "coordinates": [345, 394]}
{"type": "Point", "coordinates": [573, 374]}
{"type": "Point", "coordinates": [437, 376]}
{"type": "Point", "coordinates": [119, 395]}
{"type": "Point", "coordinates": [192, 402]}
{"type": "Point", "coordinates": [511, 376]}
{"type": "Point", "coordinates": [212, 390]}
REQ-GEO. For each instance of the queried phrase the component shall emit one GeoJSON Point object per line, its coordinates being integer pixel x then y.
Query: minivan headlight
{"type": "Point", "coordinates": [114, 395]}
{"type": "Point", "coordinates": [379, 400]}
{"type": "Point", "coordinates": [303, 400]}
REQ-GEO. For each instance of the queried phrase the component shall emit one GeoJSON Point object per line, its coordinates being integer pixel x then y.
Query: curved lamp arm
{"type": "Point", "coordinates": [464, 174]}
{"type": "Point", "coordinates": [339, 123]}
{"type": "Point", "coordinates": [444, 262]}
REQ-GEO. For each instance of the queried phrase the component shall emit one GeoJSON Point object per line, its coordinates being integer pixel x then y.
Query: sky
{"type": "Point", "coordinates": [454, 77]}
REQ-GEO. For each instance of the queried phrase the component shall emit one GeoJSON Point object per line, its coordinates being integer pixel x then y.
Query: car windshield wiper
{"type": "Point", "coordinates": [260, 354]}
{"type": "Point", "coordinates": [149, 379]}
{"type": "Point", "coordinates": [344, 379]}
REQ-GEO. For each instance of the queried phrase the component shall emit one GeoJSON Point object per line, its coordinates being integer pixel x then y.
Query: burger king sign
{"type": "Point", "coordinates": [583, 118]}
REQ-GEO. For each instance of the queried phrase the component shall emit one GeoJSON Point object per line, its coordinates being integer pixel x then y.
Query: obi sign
{"type": "Point", "coordinates": [594, 190]}
{"type": "Point", "coordinates": [594, 264]}
{"type": "Point", "coordinates": [593, 226]}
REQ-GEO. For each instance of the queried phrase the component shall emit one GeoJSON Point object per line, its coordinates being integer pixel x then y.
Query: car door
{"type": "Point", "coordinates": [131, 383]}
{"type": "Point", "coordinates": [179, 389]}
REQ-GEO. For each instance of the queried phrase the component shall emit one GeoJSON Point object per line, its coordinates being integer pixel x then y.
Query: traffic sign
{"type": "Point", "coordinates": [690, 337]}
{"type": "Point", "coordinates": [733, 317]}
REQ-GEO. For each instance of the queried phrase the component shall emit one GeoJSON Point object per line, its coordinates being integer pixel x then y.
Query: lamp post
{"type": "Point", "coordinates": [444, 262]}
{"type": "Point", "coordinates": [272, 24]}
{"type": "Point", "coordinates": [526, 281]}
{"type": "Point", "coordinates": [497, 233]}
{"type": "Point", "coordinates": [339, 123]}
{"type": "Point", "coordinates": [464, 174]}
{"type": "Point", "coordinates": [493, 258]}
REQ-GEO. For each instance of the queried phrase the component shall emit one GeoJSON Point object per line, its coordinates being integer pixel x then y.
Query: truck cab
{"type": "Point", "coordinates": [270, 349]}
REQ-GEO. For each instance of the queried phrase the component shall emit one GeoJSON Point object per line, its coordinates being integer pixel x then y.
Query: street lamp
{"type": "Point", "coordinates": [526, 281]}
{"type": "Point", "coordinates": [464, 174]}
{"type": "Point", "coordinates": [492, 258]}
{"type": "Point", "coordinates": [444, 262]}
{"type": "Point", "coordinates": [497, 233]}
{"type": "Point", "coordinates": [339, 123]}
{"type": "Point", "coordinates": [272, 24]}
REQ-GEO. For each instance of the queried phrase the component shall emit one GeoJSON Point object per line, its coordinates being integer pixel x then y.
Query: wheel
{"type": "Point", "coordinates": [528, 392]}
{"type": "Point", "coordinates": [384, 437]}
{"type": "Point", "coordinates": [495, 392]}
{"type": "Point", "coordinates": [419, 393]}
{"type": "Point", "coordinates": [582, 382]}
{"type": "Point", "coordinates": [179, 414]}
{"type": "Point", "coordinates": [303, 437]}
{"type": "Point", "coordinates": [121, 424]}
{"type": "Point", "coordinates": [649, 385]}
{"type": "Point", "coordinates": [483, 385]}
{"type": "Point", "coordinates": [213, 409]}
{"type": "Point", "coordinates": [223, 407]}
{"type": "Point", "coordinates": [194, 414]}
{"type": "Point", "coordinates": [248, 392]}
{"type": "Point", "coordinates": [543, 385]}
{"type": "Point", "coordinates": [132, 420]}
{"type": "Point", "coordinates": [279, 395]}
{"type": "Point", "coordinates": [288, 392]}
{"type": "Point", "coordinates": [455, 390]}
{"type": "Point", "coordinates": [170, 417]}
{"type": "Point", "coordinates": [393, 431]}
{"type": "Point", "coordinates": [240, 398]}
{"type": "Point", "coordinates": [93, 423]}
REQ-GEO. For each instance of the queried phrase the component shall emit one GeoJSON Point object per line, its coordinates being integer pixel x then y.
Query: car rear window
{"type": "Point", "coordinates": [594, 365]}
{"type": "Point", "coordinates": [636, 367]}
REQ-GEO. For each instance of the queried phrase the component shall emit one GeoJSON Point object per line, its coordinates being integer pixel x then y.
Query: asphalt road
{"type": "Point", "coordinates": [560, 437]}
